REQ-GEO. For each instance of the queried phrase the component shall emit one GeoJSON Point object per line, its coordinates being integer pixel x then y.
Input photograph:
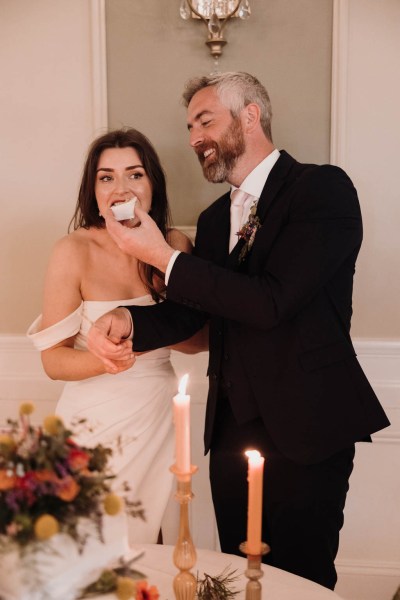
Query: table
{"type": "Point", "coordinates": [157, 565]}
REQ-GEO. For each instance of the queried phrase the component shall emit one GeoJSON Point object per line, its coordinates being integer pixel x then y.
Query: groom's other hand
{"type": "Point", "coordinates": [107, 340]}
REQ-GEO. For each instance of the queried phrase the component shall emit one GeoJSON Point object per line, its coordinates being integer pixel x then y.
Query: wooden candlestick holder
{"type": "Point", "coordinates": [184, 553]}
{"type": "Point", "coordinates": [254, 571]}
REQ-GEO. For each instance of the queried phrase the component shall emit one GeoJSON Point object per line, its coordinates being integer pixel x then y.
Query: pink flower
{"type": "Point", "coordinates": [12, 529]}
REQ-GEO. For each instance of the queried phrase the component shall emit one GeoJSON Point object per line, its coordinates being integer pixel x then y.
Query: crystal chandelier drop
{"type": "Point", "coordinates": [215, 14]}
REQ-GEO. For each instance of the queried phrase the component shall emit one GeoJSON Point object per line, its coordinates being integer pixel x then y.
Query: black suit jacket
{"type": "Point", "coordinates": [280, 319]}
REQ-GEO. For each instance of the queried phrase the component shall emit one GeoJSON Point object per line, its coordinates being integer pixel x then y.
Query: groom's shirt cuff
{"type": "Point", "coordinates": [170, 265]}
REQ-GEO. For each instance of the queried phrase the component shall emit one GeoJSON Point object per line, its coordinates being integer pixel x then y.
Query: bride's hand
{"type": "Point", "coordinates": [118, 366]}
{"type": "Point", "coordinates": [106, 340]}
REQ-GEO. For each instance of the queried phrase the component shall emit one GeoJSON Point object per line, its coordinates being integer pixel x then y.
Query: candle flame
{"type": "Point", "coordinates": [252, 454]}
{"type": "Point", "coordinates": [182, 384]}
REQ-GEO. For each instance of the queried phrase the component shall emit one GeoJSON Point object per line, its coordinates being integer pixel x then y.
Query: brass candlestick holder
{"type": "Point", "coordinates": [254, 571]}
{"type": "Point", "coordinates": [184, 553]}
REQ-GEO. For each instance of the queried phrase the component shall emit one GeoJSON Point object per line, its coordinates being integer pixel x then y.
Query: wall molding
{"type": "Point", "coordinates": [99, 66]}
{"type": "Point", "coordinates": [340, 35]}
{"type": "Point", "coordinates": [368, 567]}
{"type": "Point", "coordinates": [367, 579]}
{"type": "Point", "coordinates": [22, 375]}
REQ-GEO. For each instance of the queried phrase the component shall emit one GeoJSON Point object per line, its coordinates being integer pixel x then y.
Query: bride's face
{"type": "Point", "coordinates": [120, 176]}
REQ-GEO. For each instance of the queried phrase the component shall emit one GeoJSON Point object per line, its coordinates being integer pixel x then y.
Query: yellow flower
{"type": "Point", "coordinates": [126, 588]}
{"type": "Point", "coordinates": [112, 504]}
{"type": "Point", "coordinates": [45, 527]}
{"type": "Point", "coordinates": [7, 441]}
{"type": "Point", "coordinates": [26, 408]}
{"type": "Point", "coordinates": [53, 424]}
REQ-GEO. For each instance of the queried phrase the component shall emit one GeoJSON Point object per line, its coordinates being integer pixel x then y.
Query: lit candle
{"type": "Point", "coordinates": [182, 427]}
{"type": "Point", "coordinates": [254, 511]}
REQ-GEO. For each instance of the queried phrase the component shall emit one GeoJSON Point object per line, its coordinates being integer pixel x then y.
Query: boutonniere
{"type": "Point", "coordinates": [248, 231]}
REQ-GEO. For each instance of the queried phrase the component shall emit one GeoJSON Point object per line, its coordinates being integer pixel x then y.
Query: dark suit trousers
{"type": "Point", "coordinates": [302, 504]}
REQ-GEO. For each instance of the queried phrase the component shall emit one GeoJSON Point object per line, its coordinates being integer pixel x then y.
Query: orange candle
{"type": "Point", "coordinates": [254, 512]}
{"type": "Point", "coordinates": [182, 427]}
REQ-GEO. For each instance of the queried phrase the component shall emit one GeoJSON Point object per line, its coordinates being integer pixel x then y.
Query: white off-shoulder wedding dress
{"type": "Point", "coordinates": [131, 410]}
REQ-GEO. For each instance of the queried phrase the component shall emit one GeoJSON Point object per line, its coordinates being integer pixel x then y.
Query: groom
{"type": "Point", "coordinates": [284, 378]}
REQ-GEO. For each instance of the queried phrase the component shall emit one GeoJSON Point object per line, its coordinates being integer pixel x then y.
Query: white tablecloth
{"type": "Point", "coordinates": [157, 565]}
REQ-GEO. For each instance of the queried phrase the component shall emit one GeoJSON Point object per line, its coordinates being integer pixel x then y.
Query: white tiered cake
{"type": "Point", "coordinates": [55, 570]}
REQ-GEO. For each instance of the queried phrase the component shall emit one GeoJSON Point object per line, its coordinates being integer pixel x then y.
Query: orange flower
{"type": "Point", "coordinates": [46, 475]}
{"type": "Point", "coordinates": [7, 482]}
{"type": "Point", "coordinates": [143, 592]}
{"type": "Point", "coordinates": [67, 489]}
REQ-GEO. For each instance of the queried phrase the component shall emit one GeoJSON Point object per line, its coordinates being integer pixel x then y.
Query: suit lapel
{"type": "Point", "coordinates": [219, 227]}
{"type": "Point", "coordinates": [278, 176]}
{"type": "Point", "coordinates": [276, 179]}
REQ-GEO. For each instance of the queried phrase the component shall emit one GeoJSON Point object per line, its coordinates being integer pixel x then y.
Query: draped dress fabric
{"type": "Point", "coordinates": [130, 412]}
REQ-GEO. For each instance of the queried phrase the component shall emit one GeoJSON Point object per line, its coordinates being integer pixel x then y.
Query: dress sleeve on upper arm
{"type": "Point", "coordinates": [64, 329]}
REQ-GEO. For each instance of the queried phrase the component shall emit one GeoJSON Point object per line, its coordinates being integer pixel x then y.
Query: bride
{"type": "Point", "coordinates": [88, 275]}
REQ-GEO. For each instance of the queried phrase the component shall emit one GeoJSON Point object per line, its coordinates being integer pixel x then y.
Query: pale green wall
{"type": "Point", "coordinates": [151, 52]}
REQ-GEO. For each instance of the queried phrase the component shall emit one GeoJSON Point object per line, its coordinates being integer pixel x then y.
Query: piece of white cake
{"type": "Point", "coordinates": [124, 210]}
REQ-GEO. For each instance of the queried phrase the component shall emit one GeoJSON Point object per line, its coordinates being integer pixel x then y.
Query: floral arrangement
{"type": "Point", "coordinates": [248, 232]}
{"type": "Point", "coordinates": [48, 483]}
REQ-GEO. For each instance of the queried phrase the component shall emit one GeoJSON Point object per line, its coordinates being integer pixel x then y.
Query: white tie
{"type": "Point", "coordinates": [238, 198]}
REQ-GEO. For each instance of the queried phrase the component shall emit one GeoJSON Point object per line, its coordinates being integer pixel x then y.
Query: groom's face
{"type": "Point", "coordinates": [215, 135]}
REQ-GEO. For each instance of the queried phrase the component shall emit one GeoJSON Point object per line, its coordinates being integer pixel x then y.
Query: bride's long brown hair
{"type": "Point", "coordinates": [87, 212]}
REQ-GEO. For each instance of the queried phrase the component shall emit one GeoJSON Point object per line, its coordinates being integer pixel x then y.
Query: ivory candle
{"type": "Point", "coordinates": [254, 512]}
{"type": "Point", "coordinates": [182, 427]}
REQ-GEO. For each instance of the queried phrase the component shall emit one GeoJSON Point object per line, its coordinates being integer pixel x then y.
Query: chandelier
{"type": "Point", "coordinates": [215, 14]}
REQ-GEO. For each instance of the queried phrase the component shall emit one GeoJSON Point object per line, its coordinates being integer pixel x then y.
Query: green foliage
{"type": "Point", "coordinates": [218, 587]}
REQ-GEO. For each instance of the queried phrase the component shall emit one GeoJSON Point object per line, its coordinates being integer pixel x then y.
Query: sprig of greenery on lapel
{"type": "Point", "coordinates": [248, 231]}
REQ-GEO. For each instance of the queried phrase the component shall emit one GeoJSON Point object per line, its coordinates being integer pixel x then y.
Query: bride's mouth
{"type": "Point", "coordinates": [119, 202]}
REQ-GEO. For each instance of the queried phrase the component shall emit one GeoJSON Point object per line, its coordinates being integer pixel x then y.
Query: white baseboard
{"type": "Point", "coordinates": [22, 375]}
{"type": "Point", "coordinates": [380, 360]}
{"type": "Point", "coordinates": [367, 580]}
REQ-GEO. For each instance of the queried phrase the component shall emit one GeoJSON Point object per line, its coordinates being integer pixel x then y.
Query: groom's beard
{"type": "Point", "coordinates": [227, 151]}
